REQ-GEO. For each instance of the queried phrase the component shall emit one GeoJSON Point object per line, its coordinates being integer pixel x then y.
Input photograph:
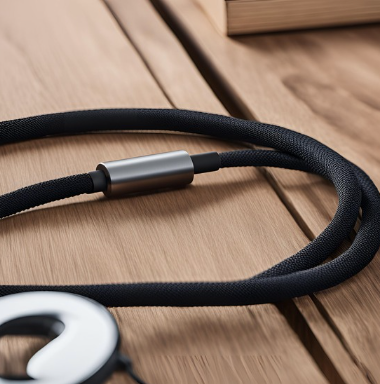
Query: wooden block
{"type": "Point", "coordinates": [234, 17]}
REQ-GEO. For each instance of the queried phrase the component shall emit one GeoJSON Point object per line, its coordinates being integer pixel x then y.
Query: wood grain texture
{"type": "Point", "coordinates": [236, 17]}
{"type": "Point", "coordinates": [216, 10]}
{"type": "Point", "coordinates": [210, 345]}
{"type": "Point", "coordinates": [165, 57]}
{"type": "Point", "coordinates": [66, 55]}
{"type": "Point", "coordinates": [325, 84]}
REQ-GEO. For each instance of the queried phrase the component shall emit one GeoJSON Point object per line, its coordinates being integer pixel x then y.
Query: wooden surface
{"type": "Point", "coordinates": [235, 17]}
{"type": "Point", "coordinates": [123, 54]}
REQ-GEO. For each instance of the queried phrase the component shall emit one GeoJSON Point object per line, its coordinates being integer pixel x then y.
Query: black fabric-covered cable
{"type": "Point", "coordinates": [298, 275]}
{"type": "Point", "coordinates": [43, 193]}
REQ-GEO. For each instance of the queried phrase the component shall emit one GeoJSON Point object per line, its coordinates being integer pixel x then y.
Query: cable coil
{"type": "Point", "coordinates": [298, 275]}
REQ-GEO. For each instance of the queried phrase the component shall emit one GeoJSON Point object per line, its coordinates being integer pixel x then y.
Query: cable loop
{"type": "Point", "coordinates": [300, 274]}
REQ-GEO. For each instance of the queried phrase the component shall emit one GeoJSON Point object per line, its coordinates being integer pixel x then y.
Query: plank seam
{"type": "Point", "coordinates": [340, 337]}
{"type": "Point", "coordinates": [301, 328]}
{"type": "Point", "coordinates": [135, 47]}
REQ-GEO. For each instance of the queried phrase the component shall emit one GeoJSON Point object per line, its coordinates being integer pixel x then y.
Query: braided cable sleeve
{"type": "Point", "coordinates": [298, 275]}
{"type": "Point", "coordinates": [43, 193]}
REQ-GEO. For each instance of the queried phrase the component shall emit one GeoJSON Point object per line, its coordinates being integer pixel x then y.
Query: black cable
{"type": "Point", "coordinates": [298, 275]}
{"type": "Point", "coordinates": [45, 192]}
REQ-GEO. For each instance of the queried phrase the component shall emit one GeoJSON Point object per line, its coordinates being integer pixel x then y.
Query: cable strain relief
{"type": "Point", "coordinates": [206, 162]}
{"type": "Point", "coordinates": [99, 181]}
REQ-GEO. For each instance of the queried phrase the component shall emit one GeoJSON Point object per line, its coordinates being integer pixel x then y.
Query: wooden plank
{"type": "Point", "coordinates": [165, 57]}
{"type": "Point", "coordinates": [213, 345]}
{"type": "Point", "coordinates": [325, 84]}
{"type": "Point", "coordinates": [67, 55]}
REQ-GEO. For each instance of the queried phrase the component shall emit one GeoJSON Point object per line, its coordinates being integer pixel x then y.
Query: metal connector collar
{"type": "Point", "coordinates": [139, 174]}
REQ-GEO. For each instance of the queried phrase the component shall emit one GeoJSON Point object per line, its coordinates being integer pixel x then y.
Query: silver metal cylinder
{"type": "Point", "coordinates": [144, 173]}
